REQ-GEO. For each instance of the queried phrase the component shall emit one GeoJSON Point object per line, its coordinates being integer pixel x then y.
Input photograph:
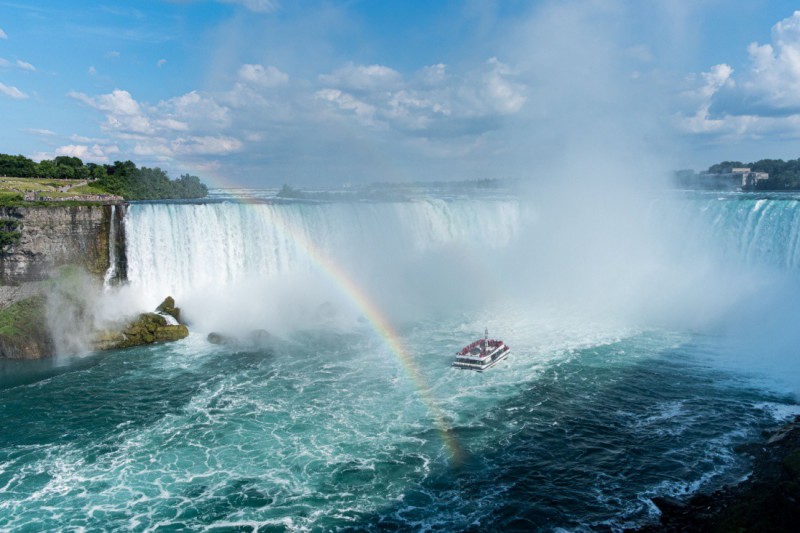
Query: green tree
{"type": "Point", "coordinates": [17, 166]}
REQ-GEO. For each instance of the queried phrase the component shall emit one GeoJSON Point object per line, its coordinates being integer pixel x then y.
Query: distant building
{"type": "Point", "coordinates": [749, 179]}
{"type": "Point", "coordinates": [737, 178]}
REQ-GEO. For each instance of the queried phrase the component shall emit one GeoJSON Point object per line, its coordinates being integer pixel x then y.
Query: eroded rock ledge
{"type": "Point", "coordinates": [148, 328]}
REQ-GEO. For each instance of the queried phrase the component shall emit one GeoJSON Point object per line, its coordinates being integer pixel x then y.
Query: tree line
{"type": "Point", "coordinates": [783, 175]}
{"type": "Point", "coordinates": [121, 178]}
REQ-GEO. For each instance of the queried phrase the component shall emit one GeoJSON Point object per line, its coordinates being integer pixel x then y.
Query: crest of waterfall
{"type": "Point", "coordinates": [187, 249]}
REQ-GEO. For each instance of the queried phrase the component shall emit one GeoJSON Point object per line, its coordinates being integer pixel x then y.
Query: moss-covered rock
{"type": "Point", "coordinates": [168, 307]}
{"type": "Point", "coordinates": [23, 330]}
{"type": "Point", "coordinates": [107, 339]}
{"type": "Point", "coordinates": [171, 333]}
{"type": "Point", "coordinates": [147, 328]}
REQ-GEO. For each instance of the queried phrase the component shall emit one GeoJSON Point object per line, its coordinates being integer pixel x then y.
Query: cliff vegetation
{"type": "Point", "coordinates": [64, 176]}
{"type": "Point", "coordinates": [23, 330]}
{"type": "Point", "coordinates": [783, 175]}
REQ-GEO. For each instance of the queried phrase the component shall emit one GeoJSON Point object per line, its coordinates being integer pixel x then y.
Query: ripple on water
{"type": "Point", "coordinates": [326, 431]}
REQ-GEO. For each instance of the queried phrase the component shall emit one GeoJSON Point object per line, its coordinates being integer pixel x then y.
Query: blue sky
{"type": "Point", "coordinates": [265, 92]}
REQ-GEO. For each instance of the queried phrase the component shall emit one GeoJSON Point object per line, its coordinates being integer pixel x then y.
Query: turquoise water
{"type": "Point", "coordinates": [325, 429]}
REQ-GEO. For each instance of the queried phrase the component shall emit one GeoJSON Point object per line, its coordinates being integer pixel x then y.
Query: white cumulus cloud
{"type": "Point", "coordinates": [3, 35]}
{"type": "Point", "coordinates": [123, 113]}
{"type": "Point", "coordinates": [435, 112]}
{"type": "Point", "coordinates": [41, 131]}
{"type": "Point", "coordinates": [12, 92]}
{"type": "Point", "coordinates": [264, 76]}
{"type": "Point", "coordinates": [363, 77]}
{"type": "Point", "coordinates": [24, 65]}
{"type": "Point", "coordinates": [763, 100]}
{"type": "Point", "coordinates": [95, 153]}
{"type": "Point", "coordinates": [775, 68]}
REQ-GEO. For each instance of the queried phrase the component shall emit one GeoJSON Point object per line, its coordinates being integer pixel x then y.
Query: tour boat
{"type": "Point", "coordinates": [482, 354]}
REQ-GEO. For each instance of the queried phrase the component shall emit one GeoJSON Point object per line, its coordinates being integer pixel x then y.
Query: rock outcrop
{"type": "Point", "coordinates": [61, 235]}
{"type": "Point", "coordinates": [769, 500]}
{"type": "Point", "coordinates": [256, 339]}
{"type": "Point", "coordinates": [147, 328]}
{"type": "Point", "coordinates": [167, 307]}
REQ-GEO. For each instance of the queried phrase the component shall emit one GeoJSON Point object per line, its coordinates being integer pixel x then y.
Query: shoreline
{"type": "Point", "coordinates": [767, 500]}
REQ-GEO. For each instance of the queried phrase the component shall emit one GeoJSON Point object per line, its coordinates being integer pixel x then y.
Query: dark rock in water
{"type": "Point", "coordinates": [168, 307]}
{"type": "Point", "coordinates": [669, 505]}
{"type": "Point", "coordinates": [219, 338]}
{"type": "Point", "coordinates": [259, 337]}
{"type": "Point", "coordinates": [769, 500]}
{"type": "Point", "coordinates": [256, 339]}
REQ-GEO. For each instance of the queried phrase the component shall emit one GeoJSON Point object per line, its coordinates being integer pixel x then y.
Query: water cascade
{"type": "Point", "coordinates": [111, 272]}
{"type": "Point", "coordinates": [180, 249]}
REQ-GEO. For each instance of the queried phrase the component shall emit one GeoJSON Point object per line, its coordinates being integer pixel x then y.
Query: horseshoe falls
{"type": "Point", "coordinates": [648, 342]}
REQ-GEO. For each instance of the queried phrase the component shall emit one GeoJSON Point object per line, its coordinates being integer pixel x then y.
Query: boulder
{"type": "Point", "coordinates": [259, 338]}
{"type": "Point", "coordinates": [168, 307]}
{"type": "Point", "coordinates": [107, 339]}
{"type": "Point", "coordinates": [147, 328]}
{"type": "Point", "coordinates": [256, 339]}
{"type": "Point", "coordinates": [223, 340]}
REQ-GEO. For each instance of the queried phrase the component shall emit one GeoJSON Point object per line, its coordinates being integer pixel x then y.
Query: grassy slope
{"type": "Point", "coordinates": [12, 190]}
{"type": "Point", "coordinates": [23, 317]}
{"type": "Point", "coordinates": [48, 186]}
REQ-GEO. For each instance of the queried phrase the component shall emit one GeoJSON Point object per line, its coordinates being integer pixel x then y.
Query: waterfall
{"type": "Point", "coordinates": [176, 248]}
{"type": "Point", "coordinates": [111, 272]}
{"type": "Point", "coordinates": [746, 229]}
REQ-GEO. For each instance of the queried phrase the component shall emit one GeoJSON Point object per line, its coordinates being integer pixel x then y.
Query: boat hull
{"type": "Point", "coordinates": [480, 365]}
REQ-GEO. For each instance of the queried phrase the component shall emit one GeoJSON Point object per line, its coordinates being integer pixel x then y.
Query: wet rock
{"type": "Point", "coordinates": [168, 307]}
{"type": "Point", "coordinates": [257, 339]}
{"type": "Point", "coordinates": [766, 501]}
{"type": "Point", "coordinates": [670, 506]}
{"type": "Point", "coordinates": [219, 338]}
{"type": "Point", "coordinates": [147, 328]}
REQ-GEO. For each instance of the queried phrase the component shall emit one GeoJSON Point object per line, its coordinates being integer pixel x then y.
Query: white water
{"type": "Point", "coordinates": [719, 265]}
{"type": "Point", "coordinates": [244, 260]}
{"type": "Point", "coordinates": [111, 272]}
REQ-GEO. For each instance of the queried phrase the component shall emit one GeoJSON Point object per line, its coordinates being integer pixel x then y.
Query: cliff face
{"type": "Point", "coordinates": [56, 236]}
{"type": "Point", "coordinates": [45, 309]}
{"type": "Point", "coordinates": [49, 237]}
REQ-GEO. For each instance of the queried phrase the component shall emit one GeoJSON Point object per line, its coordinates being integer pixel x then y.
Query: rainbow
{"type": "Point", "coordinates": [377, 321]}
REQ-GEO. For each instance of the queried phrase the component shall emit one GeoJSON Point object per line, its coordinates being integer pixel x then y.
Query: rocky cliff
{"type": "Point", "coordinates": [35, 243]}
{"type": "Point", "coordinates": [62, 235]}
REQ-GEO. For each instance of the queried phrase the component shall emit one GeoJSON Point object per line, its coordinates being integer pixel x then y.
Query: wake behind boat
{"type": "Point", "coordinates": [482, 354]}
